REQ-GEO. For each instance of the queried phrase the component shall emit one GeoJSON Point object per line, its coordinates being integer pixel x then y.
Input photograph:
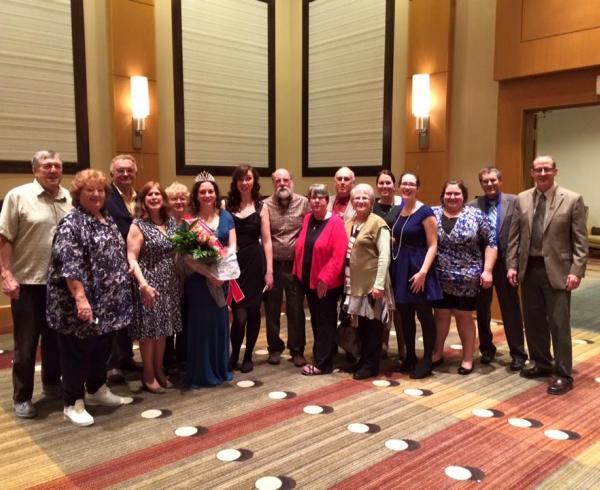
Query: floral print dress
{"type": "Point", "coordinates": [157, 262]}
{"type": "Point", "coordinates": [460, 256]}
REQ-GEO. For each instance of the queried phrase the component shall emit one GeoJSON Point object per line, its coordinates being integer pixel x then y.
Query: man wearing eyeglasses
{"type": "Point", "coordinates": [547, 254]}
{"type": "Point", "coordinates": [120, 204]}
{"type": "Point", "coordinates": [28, 221]}
{"type": "Point", "coordinates": [499, 207]}
{"type": "Point", "coordinates": [341, 205]}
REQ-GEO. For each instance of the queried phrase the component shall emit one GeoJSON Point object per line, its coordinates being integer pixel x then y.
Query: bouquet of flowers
{"type": "Point", "coordinates": [195, 240]}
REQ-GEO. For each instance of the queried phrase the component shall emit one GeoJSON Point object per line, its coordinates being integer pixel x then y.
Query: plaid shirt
{"type": "Point", "coordinates": [285, 225]}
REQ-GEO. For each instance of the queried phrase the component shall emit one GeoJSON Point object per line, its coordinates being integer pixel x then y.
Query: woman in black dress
{"type": "Point", "coordinates": [255, 258]}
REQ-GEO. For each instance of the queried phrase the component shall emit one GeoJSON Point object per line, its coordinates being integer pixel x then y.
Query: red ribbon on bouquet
{"type": "Point", "coordinates": [235, 291]}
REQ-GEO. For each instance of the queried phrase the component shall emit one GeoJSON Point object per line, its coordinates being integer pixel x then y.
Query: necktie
{"type": "Point", "coordinates": [537, 226]}
{"type": "Point", "coordinates": [493, 217]}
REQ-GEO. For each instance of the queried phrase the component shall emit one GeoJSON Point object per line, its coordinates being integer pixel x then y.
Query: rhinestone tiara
{"type": "Point", "coordinates": [204, 177]}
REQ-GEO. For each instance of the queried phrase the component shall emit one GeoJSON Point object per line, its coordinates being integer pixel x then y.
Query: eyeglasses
{"type": "Point", "coordinates": [544, 170]}
{"type": "Point", "coordinates": [48, 166]}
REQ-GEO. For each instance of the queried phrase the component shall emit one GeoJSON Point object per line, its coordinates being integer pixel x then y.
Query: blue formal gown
{"type": "Point", "coordinates": [207, 326]}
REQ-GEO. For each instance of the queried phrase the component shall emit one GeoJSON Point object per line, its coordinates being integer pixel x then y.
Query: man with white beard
{"type": "Point", "coordinates": [286, 214]}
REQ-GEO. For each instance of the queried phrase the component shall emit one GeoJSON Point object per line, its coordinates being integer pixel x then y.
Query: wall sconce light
{"type": "Point", "coordinates": [421, 105]}
{"type": "Point", "coordinates": [140, 109]}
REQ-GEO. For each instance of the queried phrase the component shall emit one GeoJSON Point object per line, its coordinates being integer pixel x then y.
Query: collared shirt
{"type": "Point", "coordinates": [285, 225]}
{"type": "Point", "coordinates": [129, 203]}
{"type": "Point", "coordinates": [550, 193]}
{"type": "Point", "coordinates": [28, 221]}
{"type": "Point", "coordinates": [340, 206]}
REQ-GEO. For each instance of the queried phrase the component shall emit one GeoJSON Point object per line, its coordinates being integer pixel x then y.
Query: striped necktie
{"type": "Point", "coordinates": [493, 217]}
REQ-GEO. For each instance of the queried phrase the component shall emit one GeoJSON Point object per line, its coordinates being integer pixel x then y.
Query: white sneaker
{"type": "Point", "coordinates": [78, 414]}
{"type": "Point", "coordinates": [107, 398]}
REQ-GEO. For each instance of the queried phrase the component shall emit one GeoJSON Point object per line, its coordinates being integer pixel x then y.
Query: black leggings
{"type": "Point", "coordinates": [246, 321]}
{"type": "Point", "coordinates": [424, 311]}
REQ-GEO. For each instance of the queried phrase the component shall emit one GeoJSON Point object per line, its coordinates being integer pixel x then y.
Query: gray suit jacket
{"type": "Point", "coordinates": [564, 243]}
{"type": "Point", "coordinates": [507, 211]}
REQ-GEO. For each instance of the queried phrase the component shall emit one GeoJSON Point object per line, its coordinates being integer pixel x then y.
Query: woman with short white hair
{"type": "Point", "coordinates": [368, 301]}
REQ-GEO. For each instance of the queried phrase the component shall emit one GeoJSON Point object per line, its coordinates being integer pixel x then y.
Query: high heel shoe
{"type": "Point", "coordinates": [166, 384]}
{"type": "Point", "coordinates": [247, 366]}
{"type": "Point", "coordinates": [464, 371]}
{"type": "Point", "coordinates": [437, 363]}
{"type": "Point", "coordinates": [156, 391]}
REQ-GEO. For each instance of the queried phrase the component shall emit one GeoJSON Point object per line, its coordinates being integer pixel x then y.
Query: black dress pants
{"type": "Point", "coordinates": [323, 317]}
{"type": "Point", "coordinates": [370, 333]}
{"type": "Point", "coordinates": [83, 362]}
{"type": "Point", "coordinates": [510, 307]}
{"type": "Point", "coordinates": [29, 324]}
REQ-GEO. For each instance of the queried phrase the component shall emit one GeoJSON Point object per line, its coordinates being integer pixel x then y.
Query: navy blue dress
{"type": "Point", "coordinates": [408, 255]}
{"type": "Point", "coordinates": [207, 326]}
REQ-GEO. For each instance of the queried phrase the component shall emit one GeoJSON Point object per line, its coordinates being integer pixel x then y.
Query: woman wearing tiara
{"type": "Point", "coordinates": [255, 257]}
{"type": "Point", "coordinates": [207, 321]}
{"type": "Point", "coordinates": [414, 279]}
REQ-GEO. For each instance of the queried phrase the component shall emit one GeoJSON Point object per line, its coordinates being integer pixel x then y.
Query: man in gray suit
{"type": "Point", "coordinates": [547, 253]}
{"type": "Point", "coordinates": [499, 208]}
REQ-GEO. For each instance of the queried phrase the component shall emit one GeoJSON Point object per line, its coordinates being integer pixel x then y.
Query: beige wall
{"type": "Point", "coordinates": [288, 65]}
{"type": "Point", "coordinates": [474, 93]}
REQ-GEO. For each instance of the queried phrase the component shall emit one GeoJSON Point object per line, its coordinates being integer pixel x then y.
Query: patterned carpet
{"type": "Point", "coordinates": [314, 451]}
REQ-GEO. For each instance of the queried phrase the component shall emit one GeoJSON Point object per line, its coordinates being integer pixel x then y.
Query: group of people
{"type": "Point", "coordinates": [93, 269]}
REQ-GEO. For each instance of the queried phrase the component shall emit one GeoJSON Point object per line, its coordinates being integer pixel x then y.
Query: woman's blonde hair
{"type": "Point", "coordinates": [177, 188]}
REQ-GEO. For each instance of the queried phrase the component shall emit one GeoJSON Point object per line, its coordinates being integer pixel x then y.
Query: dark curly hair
{"type": "Point", "coordinates": [234, 198]}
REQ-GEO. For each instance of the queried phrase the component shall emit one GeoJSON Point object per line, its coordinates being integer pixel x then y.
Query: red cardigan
{"type": "Point", "coordinates": [329, 253]}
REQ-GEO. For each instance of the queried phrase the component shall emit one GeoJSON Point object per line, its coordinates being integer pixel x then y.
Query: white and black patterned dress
{"type": "Point", "coordinates": [157, 262]}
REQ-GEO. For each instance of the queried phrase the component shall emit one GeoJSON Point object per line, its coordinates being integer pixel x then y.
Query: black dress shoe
{"type": "Point", "coordinates": [422, 369]}
{"type": "Point", "coordinates": [363, 375]}
{"type": "Point", "coordinates": [517, 364]}
{"type": "Point", "coordinates": [535, 372]}
{"type": "Point", "coordinates": [487, 357]}
{"type": "Point", "coordinates": [274, 358]}
{"type": "Point", "coordinates": [560, 386]}
{"type": "Point", "coordinates": [404, 366]}
{"type": "Point", "coordinates": [464, 371]}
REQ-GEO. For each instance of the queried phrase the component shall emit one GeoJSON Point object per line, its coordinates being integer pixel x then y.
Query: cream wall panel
{"type": "Point", "coordinates": [474, 95]}
{"type": "Point", "coordinates": [36, 79]}
{"type": "Point", "coordinates": [346, 46]}
{"type": "Point", "coordinates": [225, 78]}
